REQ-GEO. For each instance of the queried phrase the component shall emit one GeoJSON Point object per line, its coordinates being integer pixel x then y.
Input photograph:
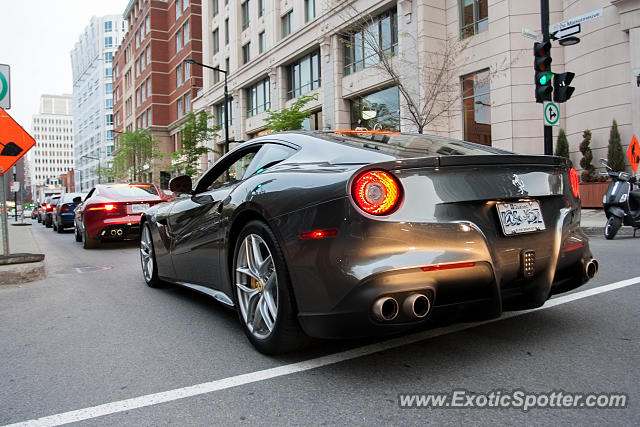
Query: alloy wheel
{"type": "Point", "coordinates": [146, 254]}
{"type": "Point", "coordinates": [256, 286]}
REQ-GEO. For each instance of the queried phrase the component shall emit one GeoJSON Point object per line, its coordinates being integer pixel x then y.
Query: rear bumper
{"type": "Point", "coordinates": [337, 281]}
{"type": "Point", "coordinates": [120, 228]}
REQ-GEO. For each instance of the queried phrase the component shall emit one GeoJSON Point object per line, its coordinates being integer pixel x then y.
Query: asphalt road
{"type": "Point", "coordinates": [98, 345]}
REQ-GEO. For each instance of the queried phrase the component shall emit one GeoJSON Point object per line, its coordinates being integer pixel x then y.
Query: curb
{"type": "Point", "coordinates": [599, 231]}
{"type": "Point", "coordinates": [14, 274]}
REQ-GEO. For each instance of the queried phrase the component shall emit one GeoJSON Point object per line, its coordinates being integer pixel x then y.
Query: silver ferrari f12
{"type": "Point", "coordinates": [349, 234]}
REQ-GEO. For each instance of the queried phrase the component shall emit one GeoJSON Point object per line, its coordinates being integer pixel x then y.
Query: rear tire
{"type": "Point", "coordinates": [613, 225]}
{"type": "Point", "coordinates": [88, 242]}
{"type": "Point", "coordinates": [76, 233]}
{"type": "Point", "coordinates": [262, 292]}
{"type": "Point", "coordinates": [59, 229]}
{"type": "Point", "coordinates": [55, 227]}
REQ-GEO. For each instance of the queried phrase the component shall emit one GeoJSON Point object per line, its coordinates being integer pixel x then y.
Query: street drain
{"type": "Point", "coordinates": [92, 269]}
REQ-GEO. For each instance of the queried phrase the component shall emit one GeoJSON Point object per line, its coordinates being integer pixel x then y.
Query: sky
{"type": "Point", "coordinates": [37, 39]}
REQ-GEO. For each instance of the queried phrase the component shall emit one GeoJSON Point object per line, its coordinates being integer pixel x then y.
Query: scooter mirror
{"type": "Point", "coordinates": [603, 161]}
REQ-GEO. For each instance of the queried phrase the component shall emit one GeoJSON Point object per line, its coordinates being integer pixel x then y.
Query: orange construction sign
{"type": "Point", "coordinates": [633, 154]}
{"type": "Point", "coordinates": [14, 142]}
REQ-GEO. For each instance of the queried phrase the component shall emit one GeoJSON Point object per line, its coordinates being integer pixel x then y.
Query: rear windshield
{"type": "Point", "coordinates": [68, 197]}
{"type": "Point", "coordinates": [407, 146]}
{"type": "Point", "coordinates": [133, 190]}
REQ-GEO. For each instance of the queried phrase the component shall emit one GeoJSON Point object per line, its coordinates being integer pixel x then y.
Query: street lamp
{"type": "Point", "coordinates": [226, 99]}
{"type": "Point", "coordinates": [86, 156]}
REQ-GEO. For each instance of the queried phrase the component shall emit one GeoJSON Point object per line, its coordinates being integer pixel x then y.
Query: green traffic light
{"type": "Point", "coordinates": [545, 79]}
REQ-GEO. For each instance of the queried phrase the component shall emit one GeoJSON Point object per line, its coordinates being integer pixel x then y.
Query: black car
{"type": "Point", "coordinates": [63, 211]}
{"type": "Point", "coordinates": [351, 234]}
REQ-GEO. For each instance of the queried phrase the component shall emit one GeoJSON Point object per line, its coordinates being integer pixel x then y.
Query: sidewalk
{"type": "Point", "coordinates": [25, 262]}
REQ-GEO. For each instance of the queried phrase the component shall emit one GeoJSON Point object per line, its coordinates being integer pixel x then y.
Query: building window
{"type": "Point", "coordinates": [149, 86]}
{"type": "Point", "coordinates": [109, 118]}
{"type": "Point", "coordinates": [187, 71]}
{"type": "Point", "coordinates": [108, 103]}
{"type": "Point", "coordinates": [185, 4]}
{"type": "Point", "coordinates": [260, 7]}
{"type": "Point", "coordinates": [178, 40]}
{"type": "Point", "coordinates": [216, 41]}
{"type": "Point", "coordinates": [216, 75]}
{"type": "Point", "coordinates": [258, 98]}
{"type": "Point", "coordinates": [108, 42]}
{"type": "Point", "coordinates": [244, 12]}
{"type": "Point", "coordinates": [108, 72]}
{"type": "Point", "coordinates": [262, 42]}
{"type": "Point", "coordinates": [178, 9]}
{"type": "Point", "coordinates": [149, 116]}
{"type": "Point", "coordinates": [313, 122]}
{"type": "Point", "coordinates": [148, 50]}
{"type": "Point", "coordinates": [246, 53]}
{"type": "Point", "coordinates": [178, 75]}
{"type": "Point", "coordinates": [476, 103]}
{"type": "Point", "coordinates": [180, 108]}
{"type": "Point", "coordinates": [108, 57]}
{"type": "Point", "coordinates": [147, 25]}
{"type": "Point", "coordinates": [361, 48]}
{"type": "Point", "coordinates": [226, 31]}
{"type": "Point", "coordinates": [185, 32]}
{"type": "Point", "coordinates": [287, 23]}
{"type": "Point", "coordinates": [108, 89]}
{"type": "Point", "coordinates": [107, 26]}
{"type": "Point", "coordinates": [220, 113]}
{"type": "Point", "coordinates": [377, 111]}
{"type": "Point", "coordinates": [309, 10]}
{"type": "Point", "coordinates": [303, 75]}
{"type": "Point", "coordinates": [215, 9]}
{"type": "Point", "coordinates": [227, 65]}
{"type": "Point", "coordinates": [187, 102]}
{"type": "Point", "coordinates": [473, 17]}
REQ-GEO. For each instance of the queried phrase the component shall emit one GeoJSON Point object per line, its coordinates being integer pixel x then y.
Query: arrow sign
{"type": "Point", "coordinates": [566, 32]}
{"type": "Point", "coordinates": [551, 114]}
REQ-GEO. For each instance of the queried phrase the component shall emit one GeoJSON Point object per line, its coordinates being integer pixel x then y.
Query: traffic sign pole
{"type": "Point", "coordinates": [5, 220]}
{"type": "Point", "coordinates": [544, 25]}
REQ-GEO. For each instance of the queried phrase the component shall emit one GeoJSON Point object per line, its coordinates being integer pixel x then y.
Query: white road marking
{"type": "Point", "coordinates": [252, 377]}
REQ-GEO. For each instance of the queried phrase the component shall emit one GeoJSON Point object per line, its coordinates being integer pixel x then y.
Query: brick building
{"type": "Point", "coordinates": [153, 87]}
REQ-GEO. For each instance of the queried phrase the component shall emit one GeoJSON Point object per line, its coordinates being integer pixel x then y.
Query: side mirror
{"type": "Point", "coordinates": [77, 199]}
{"type": "Point", "coordinates": [604, 162]}
{"type": "Point", "coordinates": [181, 184]}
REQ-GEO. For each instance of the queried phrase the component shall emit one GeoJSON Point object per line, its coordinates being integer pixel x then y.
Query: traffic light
{"type": "Point", "coordinates": [543, 74]}
{"type": "Point", "coordinates": [561, 89]}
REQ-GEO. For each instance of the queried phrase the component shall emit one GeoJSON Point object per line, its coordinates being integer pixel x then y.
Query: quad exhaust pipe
{"type": "Point", "coordinates": [590, 269]}
{"type": "Point", "coordinates": [416, 306]}
{"type": "Point", "coordinates": [385, 309]}
{"type": "Point", "coordinates": [117, 232]}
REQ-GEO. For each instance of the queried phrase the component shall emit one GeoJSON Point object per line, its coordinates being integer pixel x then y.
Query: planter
{"type": "Point", "coordinates": [591, 193]}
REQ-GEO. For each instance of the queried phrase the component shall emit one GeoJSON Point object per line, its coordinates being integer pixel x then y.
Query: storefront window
{"type": "Point", "coordinates": [377, 111]}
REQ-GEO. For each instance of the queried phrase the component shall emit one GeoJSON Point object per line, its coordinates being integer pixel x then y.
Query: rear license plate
{"type": "Point", "coordinates": [139, 208]}
{"type": "Point", "coordinates": [520, 217]}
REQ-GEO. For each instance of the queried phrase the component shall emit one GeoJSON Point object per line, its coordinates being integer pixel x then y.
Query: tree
{"type": "Point", "coordinates": [134, 154]}
{"type": "Point", "coordinates": [588, 171]}
{"type": "Point", "coordinates": [194, 133]}
{"type": "Point", "coordinates": [290, 118]}
{"type": "Point", "coordinates": [615, 156]}
{"type": "Point", "coordinates": [429, 85]}
{"type": "Point", "coordinates": [562, 146]}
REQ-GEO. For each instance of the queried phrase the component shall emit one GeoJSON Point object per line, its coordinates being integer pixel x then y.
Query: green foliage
{"type": "Point", "coordinates": [290, 118]}
{"type": "Point", "coordinates": [134, 155]}
{"type": "Point", "coordinates": [615, 156]}
{"type": "Point", "coordinates": [105, 173]}
{"type": "Point", "coordinates": [588, 171]}
{"type": "Point", "coordinates": [562, 145]}
{"type": "Point", "coordinates": [194, 134]}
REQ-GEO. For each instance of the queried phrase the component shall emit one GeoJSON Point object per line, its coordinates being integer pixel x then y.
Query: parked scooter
{"type": "Point", "coordinates": [621, 203]}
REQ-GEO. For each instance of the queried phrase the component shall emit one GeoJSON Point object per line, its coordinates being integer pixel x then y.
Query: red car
{"type": "Point", "coordinates": [112, 212]}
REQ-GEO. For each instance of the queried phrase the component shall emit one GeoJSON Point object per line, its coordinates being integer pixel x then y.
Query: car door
{"type": "Point", "coordinates": [197, 223]}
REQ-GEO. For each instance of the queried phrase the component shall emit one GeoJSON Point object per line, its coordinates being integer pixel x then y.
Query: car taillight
{"type": "Point", "coordinates": [376, 192]}
{"type": "Point", "coordinates": [64, 208]}
{"type": "Point", "coordinates": [106, 207]}
{"type": "Point", "coordinates": [47, 206]}
{"type": "Point", "coordinates": [575, 182]}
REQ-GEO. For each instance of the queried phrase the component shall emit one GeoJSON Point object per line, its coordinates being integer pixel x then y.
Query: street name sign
{"type": "Point", "coordinates": [551, 114]}
{"type": "Point", "coordinates": [530, 33]}
{"type": "Point", "coordinates": [553, 28]}
{"type": "Point", "coordinates": [633, 154]}
{"type": "Point", "coordinates": [5, 86]}
{"type": "Point", "coordinates": [14, 142]}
